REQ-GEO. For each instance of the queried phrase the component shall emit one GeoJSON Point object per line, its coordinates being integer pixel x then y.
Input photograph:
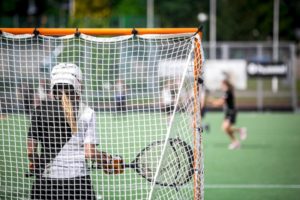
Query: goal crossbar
{"type": "Point", "coordinates": [99, 31]}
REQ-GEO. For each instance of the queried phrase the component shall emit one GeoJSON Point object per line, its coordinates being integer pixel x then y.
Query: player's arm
{"type": "Point", "coordinates": [32, 146]}
{"type": "Point", "coordinates": [32, 142]}
{"type": "Point", "coordinates": [216, 102]}
{"type": "Point", "coordinates": [202, 100]}
{"type": "Point", "coordinates": [33, 156]}
{"type": "Point", "coordinates": [110, 164]}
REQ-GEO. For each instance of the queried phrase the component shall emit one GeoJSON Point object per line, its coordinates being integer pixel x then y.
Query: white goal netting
{"type": "Point", "coordinates": [139, 100]}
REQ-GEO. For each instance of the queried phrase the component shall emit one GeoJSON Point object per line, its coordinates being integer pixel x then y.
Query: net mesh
{"type": "Point", "coordinates": [141, 89]}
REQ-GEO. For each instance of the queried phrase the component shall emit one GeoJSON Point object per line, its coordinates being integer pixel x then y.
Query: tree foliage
{"type": "Point", "coordinates": [94, 8]}
{"type": "Point", "coordinates": [236, 19]}
{"type": "Point", "coordinates": [183, 13]}
{"type": "Point", "coordinates": [251, 20]}
{"type": "Point", "coordinates": [130, 8]}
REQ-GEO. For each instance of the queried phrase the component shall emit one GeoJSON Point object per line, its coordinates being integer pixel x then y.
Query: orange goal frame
{"type": "Point", "coordinates": [99, 31]}
{"type": "Point", "coordinates": [198, 62]}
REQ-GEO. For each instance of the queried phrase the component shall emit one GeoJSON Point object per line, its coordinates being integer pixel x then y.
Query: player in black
{"type": "Point", "coordinates": [203, 101]}
{"type": "Point", "coordinates": [228, 103]}
{"type": "Point", "coordinates": [65, 130]}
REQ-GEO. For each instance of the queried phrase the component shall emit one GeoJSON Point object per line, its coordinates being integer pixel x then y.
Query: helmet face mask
{"type": "Point", "coordinates": [63, 76]}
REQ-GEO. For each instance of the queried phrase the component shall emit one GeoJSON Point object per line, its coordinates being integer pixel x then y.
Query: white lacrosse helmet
{"type": "Point", "coordinates": [67, 73]}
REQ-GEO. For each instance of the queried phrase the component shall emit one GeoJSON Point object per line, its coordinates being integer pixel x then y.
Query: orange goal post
{"type": "Point", "coordinates": [143, 86]}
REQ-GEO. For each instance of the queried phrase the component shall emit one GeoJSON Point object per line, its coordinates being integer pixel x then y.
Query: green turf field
{"type": "Point", "coordinates": [266, 167]}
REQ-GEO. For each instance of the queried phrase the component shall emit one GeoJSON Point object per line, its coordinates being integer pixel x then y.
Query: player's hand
{"type": "Point", "coordinates": [209, 100]}
{"type": "Point", "coordinates": [31, 170]}
{"type": "Point", "coordinates": [115, 165]}
{"type": "Point", "coordinates": [31, 167]}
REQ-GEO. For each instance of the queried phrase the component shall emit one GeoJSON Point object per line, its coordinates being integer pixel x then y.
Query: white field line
{"type": "Point", "coordinates": [227, 186]}
{"type": "Point", "coordinates": [252, 186]}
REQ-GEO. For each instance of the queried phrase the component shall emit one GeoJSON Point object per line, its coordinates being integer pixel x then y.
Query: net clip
{"type": "Point", "coordinates": [200, 29]}
{"type": "Point", "coordinates": [134, 32]}
{"type": "Point", "coordinates": [77, 33]}
{"type": "Point", "coordinates": [200, 80]}
{"type": "Point", "coordinates": [200, 130]}
{"type": "Point", "coordinates": [36, 32]}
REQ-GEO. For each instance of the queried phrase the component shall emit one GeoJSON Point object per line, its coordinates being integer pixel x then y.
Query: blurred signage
{"type": "Point", "coordinates": [174, 68]}
{"type": "Point", "coordinates": [215, 71]}
{"type": "Point", "coordinates": [267, 69]}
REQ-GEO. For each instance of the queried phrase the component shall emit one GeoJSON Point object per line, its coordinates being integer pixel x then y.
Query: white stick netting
{"type": "Point", "coordinates": [141, 92]}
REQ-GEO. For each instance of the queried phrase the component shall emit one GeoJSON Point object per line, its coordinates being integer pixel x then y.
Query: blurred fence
{"type": "Point", "coordinates": [259, 94]}
{"type": "Point", "coordinates": [128, 67]}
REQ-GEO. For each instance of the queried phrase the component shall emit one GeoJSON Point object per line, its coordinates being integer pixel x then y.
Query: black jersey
{"type": "Point", "coordinates": [229, 101]}
{"type": "Point", "coordinates": [60, 174]}
{"type": "Point", "coordinates": [50, 129]}
{"type": "Point", "coordinates": [62, 153]}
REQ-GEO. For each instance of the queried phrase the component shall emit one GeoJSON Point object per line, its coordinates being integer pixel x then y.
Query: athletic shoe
{"type": "Point", "coordinates": [243, 133]}
{"type": "Point", "coordinates": [207, 128]}
{"type": "Point", "coordinates": [234, 145]}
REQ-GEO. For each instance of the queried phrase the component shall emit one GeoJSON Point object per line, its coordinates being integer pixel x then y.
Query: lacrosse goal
{"type": "Point", "coordinates": [142, 85]}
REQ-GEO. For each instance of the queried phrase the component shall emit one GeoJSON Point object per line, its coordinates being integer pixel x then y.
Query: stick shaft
{"type": "Point", "coordinates": [131, 165]}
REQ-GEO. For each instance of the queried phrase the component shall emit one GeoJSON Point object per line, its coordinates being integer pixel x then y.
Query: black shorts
{"type": "Point", "coordinates": [79, 188]}
{"type": "Point", "coordinates": [203, 112]}
{"type": "Point", "coordinates": [231, 116]}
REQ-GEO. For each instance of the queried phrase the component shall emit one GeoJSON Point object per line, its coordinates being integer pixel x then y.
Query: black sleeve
{"type": "Point", "coordinates": [35, 127]}
{"type": "Point", "coordinates": [230, 96]}
{"type": "Point", "coordinates": [225, 95]}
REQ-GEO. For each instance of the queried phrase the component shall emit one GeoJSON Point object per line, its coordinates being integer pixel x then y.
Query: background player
{"type": "Point", "coordinates": [228, 102]}
{"type": "Point", "coordinates": [167, 100]}
{"type": "Point", "coordinates": [65, 129]}
{"type": "Point", "coordinates": [120, 98]}
{"type": "Point", "coordinates": [204, 92]}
